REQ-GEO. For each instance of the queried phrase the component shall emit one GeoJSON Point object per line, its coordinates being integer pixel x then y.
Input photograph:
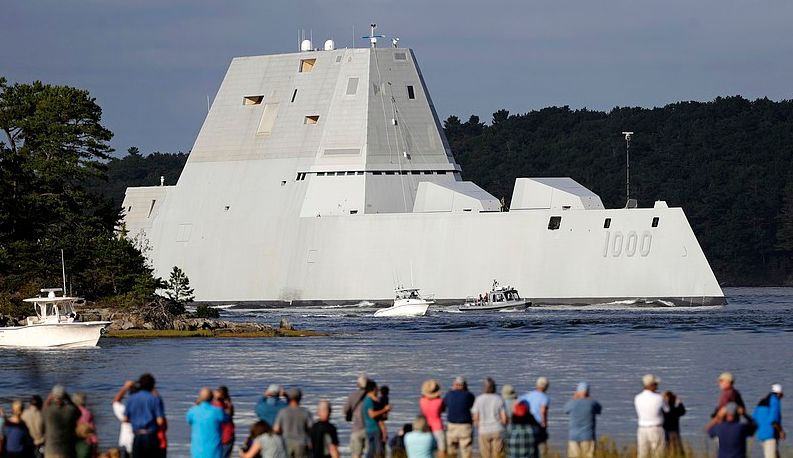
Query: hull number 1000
{"type": "Point", "coordinates": [618, 244]}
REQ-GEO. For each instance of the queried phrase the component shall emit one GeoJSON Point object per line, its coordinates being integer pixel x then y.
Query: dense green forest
{"type": "Point", "coordinates": [52, 143]}
{"type": "Point", "coordinates": [728, 163]}
{"type": "Point", "coordinates": [136, 169]}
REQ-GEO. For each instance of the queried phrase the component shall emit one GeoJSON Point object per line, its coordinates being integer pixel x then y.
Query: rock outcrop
{"type": "Point", "coordinates": [160, 316]}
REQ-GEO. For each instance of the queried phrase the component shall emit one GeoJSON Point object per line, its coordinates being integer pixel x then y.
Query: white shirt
{"type": "Point", "coordinates": [649, 408]}
{"type": "Point", "coordinates": [125, 435]}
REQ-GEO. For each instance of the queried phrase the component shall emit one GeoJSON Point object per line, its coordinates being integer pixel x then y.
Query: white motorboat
{"type": "Point", "coordinates": [54, 325]}
{"type": "Point", "coordinates": [498, 298]}
{"type": "Point", "coordinates": [408, 302]}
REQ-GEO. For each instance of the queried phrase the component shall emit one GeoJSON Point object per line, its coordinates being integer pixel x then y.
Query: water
{"type": "Point", "coordinates": [610, 346]}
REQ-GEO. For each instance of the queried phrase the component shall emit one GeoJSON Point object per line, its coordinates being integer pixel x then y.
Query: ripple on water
{"type": "Point", "coordinates": [610, 346]}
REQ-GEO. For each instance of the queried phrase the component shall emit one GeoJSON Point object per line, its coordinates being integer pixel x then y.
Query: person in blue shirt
{"type": "Point", "coordinates": [582, 410]}
{"type": "Point", "coordinates": [145, 412]}
{"type": "Point", "coordinates": [459, 421]}
{"type": "Point", "coordinates": [370, 414]}
{"type": "Point", "coordinates": [270, 404]}
{"type": "Point", "coordinates": [539, 403]}
{"type": "Point", "coordinates": [731, 432]}
{"type": "Point", "coordinates": [419, 442]}
{"type": "Point", "coordinates": [768, 416]}
{"type": "Point", "coordinates": [205, 422]}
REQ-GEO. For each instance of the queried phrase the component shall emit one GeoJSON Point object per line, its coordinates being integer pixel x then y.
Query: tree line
{"type": "Point", "coordinates": [728, 163]}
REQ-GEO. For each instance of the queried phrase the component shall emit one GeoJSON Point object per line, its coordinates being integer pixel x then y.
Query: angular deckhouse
{"type": "Point", "coordinates": [325, 177]}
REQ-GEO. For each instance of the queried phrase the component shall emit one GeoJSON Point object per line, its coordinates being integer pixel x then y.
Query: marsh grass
{"type": "Point", "coordinates": [172, 333]}
{"type": "Point", "coordinates": [704, 448]}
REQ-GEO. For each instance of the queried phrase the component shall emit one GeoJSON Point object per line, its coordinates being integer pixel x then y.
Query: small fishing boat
{"type": "Point", "coordinates": [55, 325]}
{"type": "Point", "coordinates": [408, 302]}
{"type": "Point", "coordinates": [498, 298]}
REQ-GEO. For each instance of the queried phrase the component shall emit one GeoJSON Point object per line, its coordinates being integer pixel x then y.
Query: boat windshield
{"type": "Point", "coordinates": [45, 310]}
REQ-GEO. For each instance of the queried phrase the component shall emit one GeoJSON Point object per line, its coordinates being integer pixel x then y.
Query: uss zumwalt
{"type": "Point", "coordinates": [324, 176]}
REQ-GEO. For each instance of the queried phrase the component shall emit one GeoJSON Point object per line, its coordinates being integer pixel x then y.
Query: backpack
{"type": "Point", "coordinates": [348, 415]}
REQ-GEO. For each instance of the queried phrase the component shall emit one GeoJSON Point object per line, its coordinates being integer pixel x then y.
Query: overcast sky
{"type": "Point", "coordinates": [152, 63]}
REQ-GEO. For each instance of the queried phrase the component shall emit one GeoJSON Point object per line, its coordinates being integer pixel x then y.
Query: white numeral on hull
{"type": "Point", "coordinates": [617, 245]}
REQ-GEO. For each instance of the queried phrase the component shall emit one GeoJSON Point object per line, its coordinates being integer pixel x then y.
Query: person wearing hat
{"type": "Point", "coordinates": [731, 432]}
{"type": "Point", "coordinates": [768, 416]}
{"type": "Point", "coordinates": [582, 410]}
{"type": "Point", "coordinates": [352, 413]}
{"type": "Point", "coordinates": [460, 422]}
{"type": "Point", "coordinates": [431, 406]}
{"type": "Point", "coordinates": [293, 423]}
{"type": "Point", "coordinates": [509, 396]}
{"type": "Point", "coordinates": [270, 404]}
{"type": "Point", "coordinates": [650, 412]}
{"type": "Point", "coordinates": [728, 392]}
{"type": "Point", "coordinates": [60, 424]}
{"type": "Point", "coordinates": [522, 433]}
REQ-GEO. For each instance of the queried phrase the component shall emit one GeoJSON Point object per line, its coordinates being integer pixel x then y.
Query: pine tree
{"type": "Point", "coordinates": [784, 234]}
{"type": "Point", "coordinates": [178, 287]}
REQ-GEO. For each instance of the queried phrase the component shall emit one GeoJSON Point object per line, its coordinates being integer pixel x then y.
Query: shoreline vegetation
{"type": "Point", "coordinates": [225, 333]}
{"type": "Point", "coordinates": [165, 318]}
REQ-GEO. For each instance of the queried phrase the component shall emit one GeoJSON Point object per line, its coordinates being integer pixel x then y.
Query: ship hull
{"type": "Point", "coordinates": [265, 252]}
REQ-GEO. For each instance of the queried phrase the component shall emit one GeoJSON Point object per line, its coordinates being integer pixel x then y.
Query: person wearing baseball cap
{"type": "Point", "coordinates": [768, 416]}
{"type": "Point", "coordinates": [728, 392]}
{"type": "Point", "coordinates": [731, 431]}
{"type": "Point", "coordinates": [270, 404]}
{"type": "Point", "coordinates": [522, 433]}
{"type": "Point", "coordinates": [294, 423]}
{"type": "Point", "coordinates": [460, 422]}
{"type": "Point", "coordinates": [582, 410]}
{"type": "Point", "coordinates": [650, 412]}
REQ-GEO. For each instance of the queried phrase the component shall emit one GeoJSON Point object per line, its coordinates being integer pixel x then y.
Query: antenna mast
{"type": "Point", "coordinates": [627, 165]}
{"type": "Point", "coordinates": [63, 270]}
{"type": "Point", "coordinates": [372, 37]}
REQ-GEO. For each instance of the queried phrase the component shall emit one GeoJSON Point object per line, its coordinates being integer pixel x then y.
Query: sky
{"type": "Point", "coordinates": [151, 63]}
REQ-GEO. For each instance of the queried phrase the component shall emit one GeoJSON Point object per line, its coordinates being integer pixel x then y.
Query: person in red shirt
{"type": "Point", "coordinates": [222, 399]}
{"type": "Point", "coordinates": [431, 406]}
{"type": "Point", "coordinates": [728, 393]}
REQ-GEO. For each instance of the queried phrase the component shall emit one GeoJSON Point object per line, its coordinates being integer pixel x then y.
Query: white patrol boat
{"type": "Point", "coordinates": [498, 298]}
{"type": "Point", "coordinates": [54, 325]}
{"type": "Point", "coordinates": [408, 302]}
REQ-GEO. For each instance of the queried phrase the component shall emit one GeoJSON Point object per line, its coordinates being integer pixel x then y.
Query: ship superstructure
{"type": "Point", "coordinates": [324, 176]}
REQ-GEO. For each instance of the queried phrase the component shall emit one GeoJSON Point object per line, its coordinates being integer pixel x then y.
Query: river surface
{"type": "Point", "coordinates": [610, 346]}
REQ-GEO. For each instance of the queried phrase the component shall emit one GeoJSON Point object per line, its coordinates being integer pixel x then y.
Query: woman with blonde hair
{"type": "Point", "coordinates": [432, 406]}
{"type": "Point", "coordinates": [18, 443]}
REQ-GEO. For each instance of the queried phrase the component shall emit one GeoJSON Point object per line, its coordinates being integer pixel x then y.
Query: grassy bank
{"type": "Point", "coordinates": [697, 448]}
{"type": "Point", "coordinates": [171, 333]}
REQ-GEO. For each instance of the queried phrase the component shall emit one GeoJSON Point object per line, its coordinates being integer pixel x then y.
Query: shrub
{"type": "Point", "coordinates": [205, 311]}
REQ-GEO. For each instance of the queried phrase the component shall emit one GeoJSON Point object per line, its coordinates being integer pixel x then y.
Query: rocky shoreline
{"type": "Point", "coordinates": [162, 318]}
